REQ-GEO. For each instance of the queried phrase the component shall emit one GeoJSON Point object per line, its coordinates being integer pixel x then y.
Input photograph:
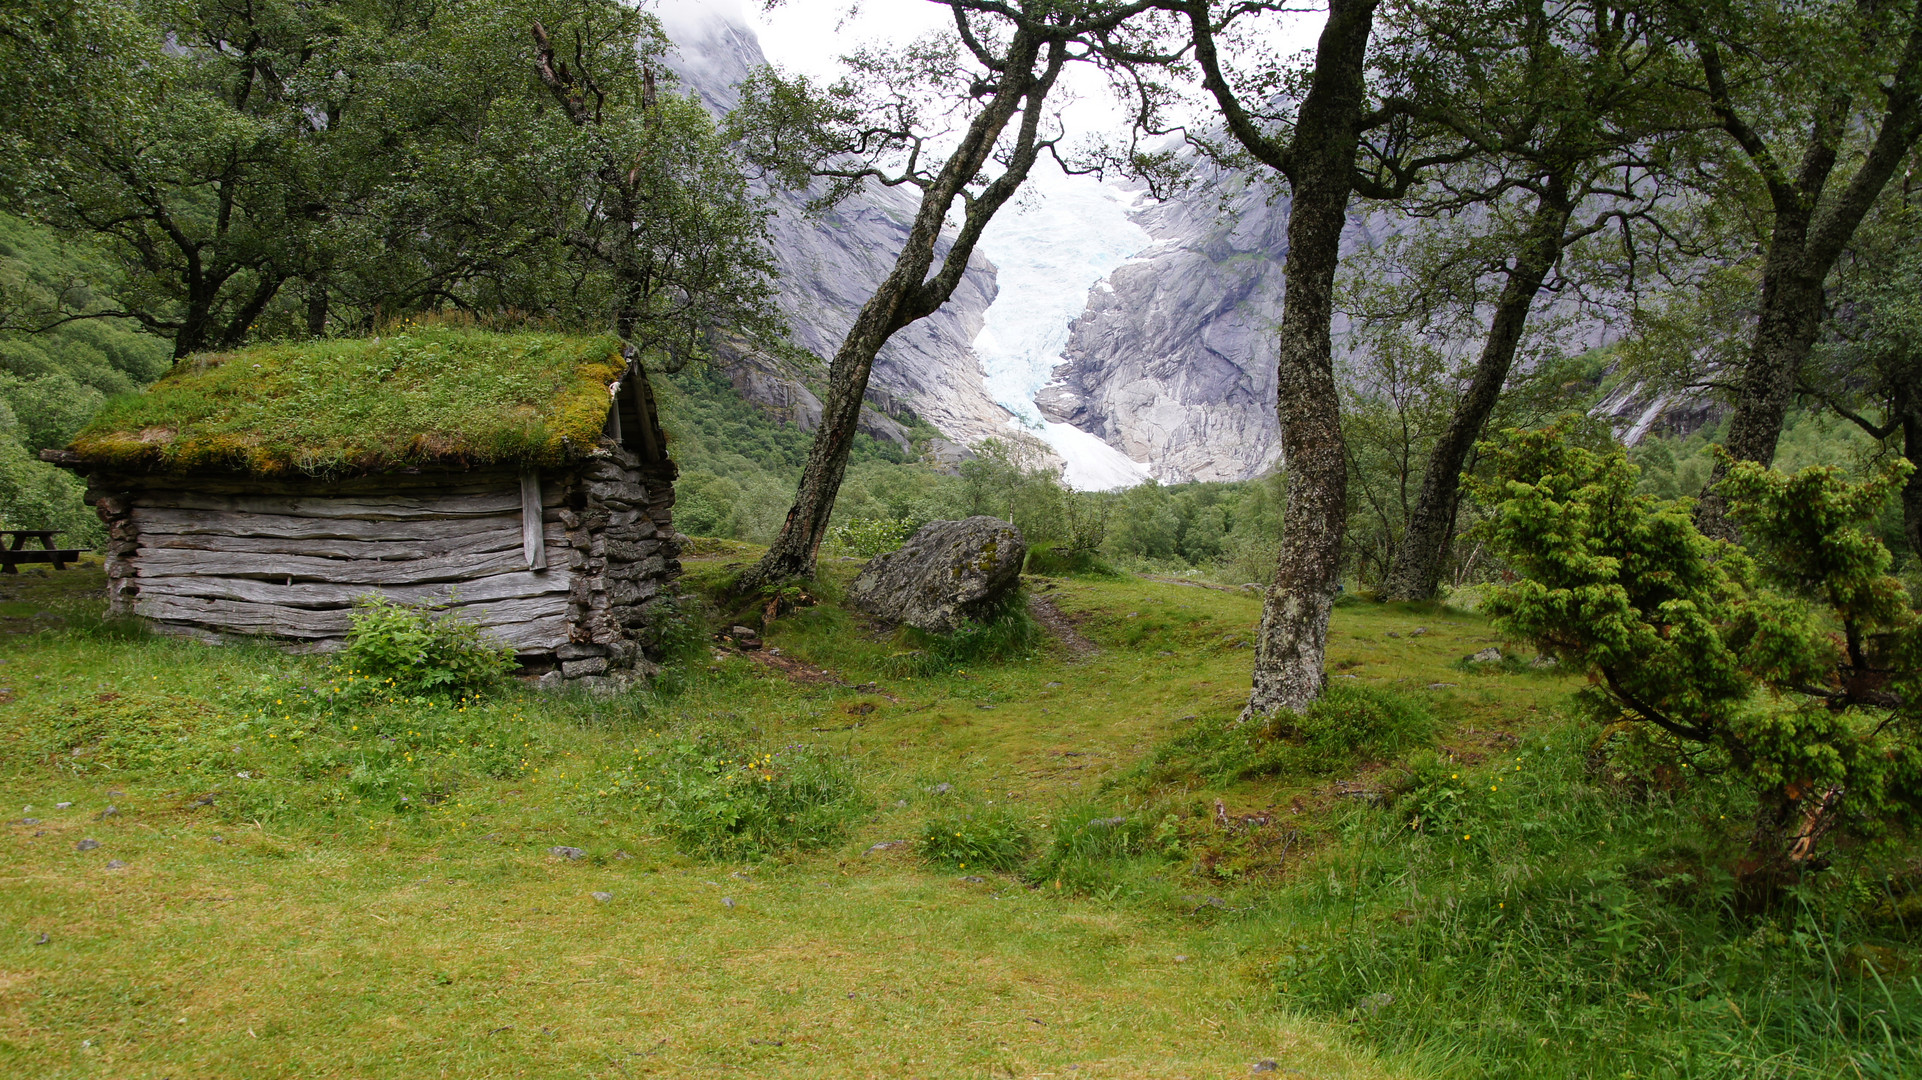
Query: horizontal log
{"type": "Point", "coordinates": [396, 551]}
{"type": "Point", "coordinates": [288, 527]}
{"type": "Point", "coordinates": [531, 620]}
{"type": "Point", "coordinates": [323, 596]}
{"type": "Point", "coordinates": [165, 562]}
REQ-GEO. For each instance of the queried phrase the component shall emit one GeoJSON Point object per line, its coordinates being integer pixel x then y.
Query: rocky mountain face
{"type": "Point", "coordinates": [829, 265]}
{"type": "Point", "coordinates": [1173, 361]}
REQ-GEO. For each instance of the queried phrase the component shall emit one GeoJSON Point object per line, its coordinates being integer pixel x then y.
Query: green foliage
{"type": "Point", "coordinates": [1346, 726]}
{"type": "Point", "coordinates": [718, 797]}
{"type": "Point", "coordinates": [1678, 635]}
{"type": "Point", "coordinates": [1527, 917]}
{"type": "Point", "coordinates": [1048, 560]}
{"type": "Point", "coordinates": [414, 651]}
{"type": "Point", "coordinates": [276, 745]}
{"type": "Point", "coordinates": [1092, 845]}
{"type": "Point", "coordinates": [986, 839]}
{"type": "Point", "coordinates": [999, 637]}
{"type": "Point", "coordinates": [425, 394]}
{"type": "Point", "coordinates": [739, 466]}
{"type": "Point", "coordinates": [868, 537]}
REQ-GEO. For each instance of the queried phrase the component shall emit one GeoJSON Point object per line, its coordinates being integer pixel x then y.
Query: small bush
{"type": "Point", "coordinates": [1069, 562]}
{"type": "Point", "coordinates": [1350, 724]}
{"type": "Point", "coordinates": [868, 537]}
{"type": "Point", "coordinates": [419, 652]}
{"type": "Point", "coordinates": [1092, 845]}
{"type": "Point", "coordinates": [1006, 634]}
{"type": "Point", "coordinates": [993, 839]}
{"type": "Point", "coordinates": [719, 799]}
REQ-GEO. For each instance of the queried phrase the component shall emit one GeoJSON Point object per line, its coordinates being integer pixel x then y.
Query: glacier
{"type": "Point", "coordinates": [1065, 236]}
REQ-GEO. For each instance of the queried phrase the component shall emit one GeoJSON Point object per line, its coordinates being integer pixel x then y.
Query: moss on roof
{"type": "Point", "coordinates": [426, 396]}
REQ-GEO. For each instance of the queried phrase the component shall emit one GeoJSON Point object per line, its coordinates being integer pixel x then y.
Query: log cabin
{"type": "Point", "coordinates": [520, 481]}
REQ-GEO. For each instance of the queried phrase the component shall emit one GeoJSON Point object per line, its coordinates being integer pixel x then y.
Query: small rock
{"type": "Point", "coordinates": [87, 845]}
{"type": "Point", "coordinates": [1109, 822]}
{"type": "Point", "coordinates": [205, 800]}
{"type": "Point", "coordinates": [1490, 655]}
{"type": "Point", "coordinates": [1440, 685]}
{"type": "Point", "coordinates": [619, 854]}
{"type": "Point", "coordinates": [1164, 652]}
{"type": "Point", "coordinates": [774, 652]}
{"type": "Point", "coordinates": [43, 938]}
{"type": "Point", "coordinates": [1418, 631]}
{"type": "Point", "coordinates": [727, 901]}
{"type": "Point", "coordinates": [116, 794]}
{"type": "Point", "coordinates": [900, 804]}
{"type": "Point", "coordinates": [1392, 634]}
{"type": "Point", "coordinates": [1375, 1003]}
{"type": "Point", "coordinates": [1052, 684]}
{"type": "Point", "coordinates": [116, 864]}
{"type": "Point", "coordinates": [1263, 1066]}
{"type": "Point", "coordinates": [603, 897]}
{"type": "Point", "coordinates": [885, 845]}
{"type": "Point", "coordinates": [61, 805]}
{"type": "Point", "coordinates": [568, 853]}
{"type": "Point", "coordinates": [217, 838]}
{"type": "Point", "coordinates": [942, 788]}
{"type": "Point", "coordinates": [984, 706]}
{"type": "Point", "coordinates": [29, 821]}
{"type": "Point", "coordinates": [110, 811]}
{"type": "Point", "coordinates": [1181, 959]}
{"type": "Point", "coordinates": [1542, 662]}
{"type": "Point", "coordinates": [973, 880]}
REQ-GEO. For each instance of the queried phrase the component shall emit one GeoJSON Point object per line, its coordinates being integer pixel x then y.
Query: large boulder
{"type": "Point", "coordinates": [947, 572]}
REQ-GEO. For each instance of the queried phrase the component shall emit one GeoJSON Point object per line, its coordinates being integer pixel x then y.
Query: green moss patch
{"type": "Point", "coordinates": [425, 396]}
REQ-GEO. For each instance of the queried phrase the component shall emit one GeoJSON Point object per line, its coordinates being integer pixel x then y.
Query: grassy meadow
{"type": "Point", "coordinates": [851, 854]}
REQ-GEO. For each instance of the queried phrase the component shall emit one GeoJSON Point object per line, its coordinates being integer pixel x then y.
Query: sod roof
{"type": "Point", "coordinates": [435, 396]}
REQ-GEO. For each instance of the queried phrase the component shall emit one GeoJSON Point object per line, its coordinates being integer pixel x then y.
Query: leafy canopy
{"type": "Point", "coordinates": [1798, 668]}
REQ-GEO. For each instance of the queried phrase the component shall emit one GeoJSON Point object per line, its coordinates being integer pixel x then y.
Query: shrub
{"type": "Point", "coordinates": [868, 537]}
{"type": "Point", "coordinates": [1005, 634]}
{"type": "Point", "coordinates": [1525, 918]}
{"type": "Point", "coordinates": [717, 798]}
{"type": "Point", "coordinates": [1350, 724]}
{"type": "Point", "coordinates": [419, 652]}
{"type": "Point", "coordinates": [989, 838]}
{"type": "Point", "coordinates": [1058, 561]}
{"type": "Point", "coordinates": [1681, 637]}
{"type": "Point", "coordinates": [1092, 844]}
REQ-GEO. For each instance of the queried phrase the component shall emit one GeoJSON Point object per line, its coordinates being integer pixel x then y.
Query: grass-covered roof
{"type": "Point", "coordinates": [433, 396]}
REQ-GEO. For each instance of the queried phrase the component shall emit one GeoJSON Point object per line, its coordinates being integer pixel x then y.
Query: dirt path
{"type": "Point", "coordinates": [1060, 626]}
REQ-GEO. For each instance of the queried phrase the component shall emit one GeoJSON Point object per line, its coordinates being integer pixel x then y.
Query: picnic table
{"type": "Point", "coordinates": [14, 549]}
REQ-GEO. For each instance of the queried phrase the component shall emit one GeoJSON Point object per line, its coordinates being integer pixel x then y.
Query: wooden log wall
{"type": "Point", "coordinates": [214, 558]}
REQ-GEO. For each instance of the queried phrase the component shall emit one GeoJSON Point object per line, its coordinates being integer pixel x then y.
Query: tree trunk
{"type": "Point", "coordinates": [1785, 333]}
{"type": "Point", "coordinates": [1418, 561]}
{"type": "Point", "coordinates": [1810, 231]}
{"type": "Point", "coordinates": [909, 294]}
{"type": "Point", "coordinates": [1912, 490]}
{"type": "Point", "coordinates": [1293, 637]}
{"type": "Point", "coordinates": [794, 552]}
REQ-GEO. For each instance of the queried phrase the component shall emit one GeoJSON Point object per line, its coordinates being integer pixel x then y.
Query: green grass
{"type": "Point", "coordinates": [415, 395]}
{"type": "Point", "coordinates": [1116, 925]}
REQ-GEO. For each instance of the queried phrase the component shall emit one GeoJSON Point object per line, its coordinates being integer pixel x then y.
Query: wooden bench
{"type": "Point", "coordinates": [14, 550]}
